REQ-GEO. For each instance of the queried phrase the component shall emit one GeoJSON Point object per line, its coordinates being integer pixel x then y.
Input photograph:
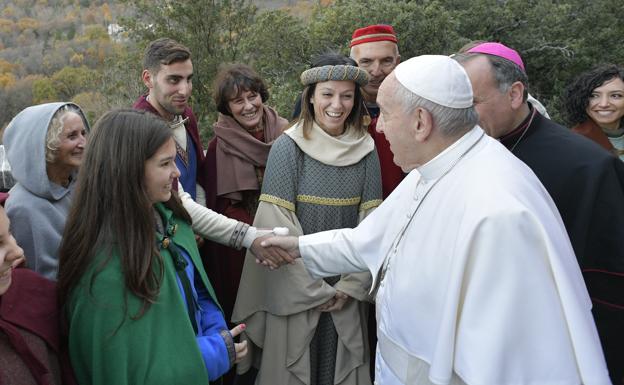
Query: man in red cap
{"type": "Point", "coordinates": [375, 49]}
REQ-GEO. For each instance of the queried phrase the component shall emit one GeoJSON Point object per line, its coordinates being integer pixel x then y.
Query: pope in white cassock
{"type": "Point", "coordinates": [474, 277]}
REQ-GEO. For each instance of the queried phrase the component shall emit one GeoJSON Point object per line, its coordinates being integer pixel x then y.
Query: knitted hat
{"type": "Point", "coordinates": [334, 72]}
{"type": "Point", "coordinates": [437, 78]}
{"type": "Point", "coordinates": [500, 50]}
{"type": "Point", "coordinates": [377, 32]}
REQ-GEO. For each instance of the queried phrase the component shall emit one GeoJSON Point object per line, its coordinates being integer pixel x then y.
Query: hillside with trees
{"type": "Point", "coordinates": [89, 51]}
{"type": "Point", "coordinates": [58, 50]}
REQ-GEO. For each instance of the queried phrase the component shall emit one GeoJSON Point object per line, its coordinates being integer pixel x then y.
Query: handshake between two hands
{"type": "Point", "coordinates": [274, 248]}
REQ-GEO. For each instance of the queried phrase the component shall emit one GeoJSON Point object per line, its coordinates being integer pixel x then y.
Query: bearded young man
{"type": "Point", "coordinates": [168, 76]}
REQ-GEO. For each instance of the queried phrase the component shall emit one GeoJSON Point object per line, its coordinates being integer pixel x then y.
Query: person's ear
{"type": "Point", "coordinates": [147, 78]}
{"type": "Point", "coordinates": [424, 124]}
{"type": "Point", "coordinates": [516, 95]}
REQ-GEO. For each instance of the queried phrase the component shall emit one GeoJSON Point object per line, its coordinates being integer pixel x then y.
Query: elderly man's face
{"type": "Point", "coordinates": [496, 116]}
{"type": "Point", "coordinates": [396, 125]}
{"type": "Point", "coordinates": [378, 58]}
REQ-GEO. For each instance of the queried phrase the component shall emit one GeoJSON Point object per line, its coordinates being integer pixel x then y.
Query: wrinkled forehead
{"type": "Point", "coordinates": [374, 50]}
{"type": "Point", "coordinates": [72, 120]}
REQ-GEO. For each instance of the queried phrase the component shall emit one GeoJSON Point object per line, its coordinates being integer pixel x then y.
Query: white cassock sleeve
{"type": "Point", "coordinates": [363, 248]}
{"type": "Point", "coordinates": [330, 253]}
{"type": "Point", "coordinates": [343, 251]}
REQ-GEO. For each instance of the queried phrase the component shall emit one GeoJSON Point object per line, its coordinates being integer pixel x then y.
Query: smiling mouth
{"type": "Point", "coordinates": [250, 115]}
{"type": "Point", "coordinates": [333, 115]}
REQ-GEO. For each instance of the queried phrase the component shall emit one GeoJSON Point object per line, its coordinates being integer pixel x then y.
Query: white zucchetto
{"type": "Point", "coordinates": [437, 78]}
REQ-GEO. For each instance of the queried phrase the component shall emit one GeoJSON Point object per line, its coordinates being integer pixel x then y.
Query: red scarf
{"type": "Point", "coordinates": [30, 304]}
{"type": "Point", "coordinates": [590, 129]}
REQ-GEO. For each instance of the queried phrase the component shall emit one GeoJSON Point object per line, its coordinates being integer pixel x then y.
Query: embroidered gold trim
{"type": "Point", "coordinates": [328, 201]}
{"type": "Point", "coordinates": [370, 204]}
{"type": "Point", "coordinates": [277, 201]}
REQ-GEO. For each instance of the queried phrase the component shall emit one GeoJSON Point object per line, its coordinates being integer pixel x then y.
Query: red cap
{"type": "Point", "coordinates": [377, 32]}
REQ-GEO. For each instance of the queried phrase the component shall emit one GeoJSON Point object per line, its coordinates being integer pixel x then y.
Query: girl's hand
{"type": "Point", "coordinates": [239, 347]}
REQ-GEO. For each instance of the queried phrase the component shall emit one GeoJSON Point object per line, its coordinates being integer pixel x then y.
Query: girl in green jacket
{"type": "Point", "coordinates": [138, 306]}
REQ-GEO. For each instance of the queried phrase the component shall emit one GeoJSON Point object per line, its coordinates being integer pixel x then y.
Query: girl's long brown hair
{"type": "Point", "coordinates": [111, 212]}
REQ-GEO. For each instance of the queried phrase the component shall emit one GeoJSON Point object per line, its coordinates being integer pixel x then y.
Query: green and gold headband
{"type": "Point", "coordinates": [334, 72]}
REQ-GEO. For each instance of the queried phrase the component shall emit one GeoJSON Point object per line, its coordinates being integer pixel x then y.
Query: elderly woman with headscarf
{"type": "Point", "coordinates": [323, 173]}
{"type": "Point", "coordinates": [44, 145]}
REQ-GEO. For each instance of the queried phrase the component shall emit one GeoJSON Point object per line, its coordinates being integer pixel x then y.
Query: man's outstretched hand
{"type": "Point", "coordinates": [275, 251]}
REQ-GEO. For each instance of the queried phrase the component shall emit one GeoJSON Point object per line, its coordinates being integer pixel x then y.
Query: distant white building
{"type": "Point", "coordinates": [116, 33]}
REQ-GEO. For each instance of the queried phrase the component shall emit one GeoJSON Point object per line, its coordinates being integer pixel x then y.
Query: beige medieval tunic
{"type": "Point", "coordinates": [310, 185]}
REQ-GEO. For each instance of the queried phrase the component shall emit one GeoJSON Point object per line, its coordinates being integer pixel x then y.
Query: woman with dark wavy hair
{"type": "Point", "coordinates": [138, 306]}
{"type": "Point", "coordinates": [322, 174]}
{"type": "Point", "coordinates": [594, 105]}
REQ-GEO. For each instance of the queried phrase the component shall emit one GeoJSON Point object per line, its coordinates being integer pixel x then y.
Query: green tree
{"type": "Point", "coordinates": [93, 104]}
{"type": "Point", "coordinates": [557, 40]}
{"type": "Point", "coordinates": [15, 98]}
{"type": "Point", "coordinates": [281, 44]}
{"type": "Point", "coordinates": [94, 33]}
{"type": "Point", "coordinates": [121, 77]}
{"type": "Point", "coordinates": [43, 91]}
{"type": "Point", "coordinates": [279, 49]}
{"type": "Point", "coordinates": [71, 81]}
